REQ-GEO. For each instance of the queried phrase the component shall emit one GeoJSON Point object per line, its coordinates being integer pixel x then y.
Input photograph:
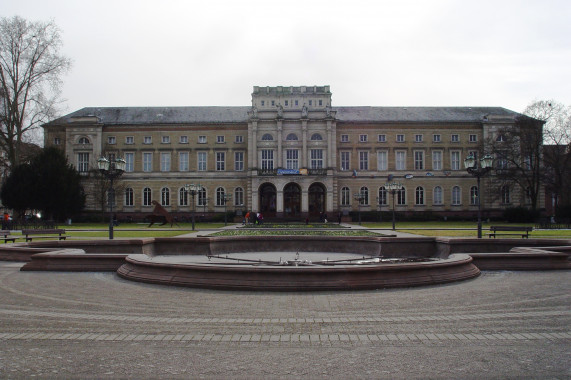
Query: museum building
{"type": "Point", "coordinates": [291, 154]}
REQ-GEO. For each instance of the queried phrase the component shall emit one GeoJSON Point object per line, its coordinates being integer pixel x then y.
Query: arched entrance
{"type": "Point", "coordinates": [292, 200]}
{"type": "Point", "coordinates": [316, 199]}
{"type": "Point", "coordinates": [268, 200]}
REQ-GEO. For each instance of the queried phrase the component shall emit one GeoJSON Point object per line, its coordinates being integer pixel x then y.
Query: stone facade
{"type": "Point", "coordinates": [289, 155]}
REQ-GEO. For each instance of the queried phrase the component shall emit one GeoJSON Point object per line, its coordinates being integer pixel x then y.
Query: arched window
{"type": "Point", "coordinates": [291, 137]}
{"type": "Point", "coordinates": [202, 200]}
{"type": "Point", "coordinates": [505, 193]}
{"type": "Point", "coordinates": [129, 198]}
{"type": "Point", "coordinates": [365, 193]}
{"type": "Point", "coordinates": [182, 197]}
{"type": "Point", "coordinates": [474, 195]}
{"type": "Point", "coordinates": [456, 196]}
{"type": "Point", "coordinates": [165, 196]}
{"type": "Point", "coordinates": [147, 196]}
{"type": "Point", "coordinates": [220, 196]}
{"type": "Point", "coordinates": [345, 196]}
{"type": "Point", "coordinates": [401, 196]}
{"type": "Point", "coordinates": [419, 195]}
{"type": "Point", "coordinates": [437, 195]}
{"type": "Point", "coordinates": [238, 196]}
{"type": "Point", "coordinates": [83, 140]}
{"type": "Point", "coordinates": [382, 195]}
{"type": "Point", "coordinates": [267, 137]}
{"type": "Point", "coordinates": [316, 137]}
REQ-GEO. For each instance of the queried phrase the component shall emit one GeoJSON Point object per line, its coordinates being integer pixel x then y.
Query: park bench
{"type": "Point", "coordinates": [509, 230]}
{"type": "Point", "coordinates": [44, 234]}
{"type": "Point", "coordinates": [5, 234]}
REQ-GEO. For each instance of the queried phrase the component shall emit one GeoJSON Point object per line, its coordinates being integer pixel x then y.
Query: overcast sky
{"type": "Point", "coordinates": [375, 53]}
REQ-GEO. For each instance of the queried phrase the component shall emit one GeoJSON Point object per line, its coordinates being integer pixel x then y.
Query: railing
{"type": "Point", "coordinates": [275, 172]}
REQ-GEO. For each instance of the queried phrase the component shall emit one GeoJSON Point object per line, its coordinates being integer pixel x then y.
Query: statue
{"type": "Point", "coordinates": [304, 111]}
{"type": "Point", "coordinates": [160, 214]}
{"type": "Point", "coordinates": [280, 111]}
{"type": "Point", "coordinates": [328, 110]}
{"type": "Point", "coordinates": [254, 112]}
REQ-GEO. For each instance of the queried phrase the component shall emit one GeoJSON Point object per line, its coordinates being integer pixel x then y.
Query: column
{"type": "Point", "coordinates": [280, 158]}
{"type": "Point", "coordinates": [304, 163]}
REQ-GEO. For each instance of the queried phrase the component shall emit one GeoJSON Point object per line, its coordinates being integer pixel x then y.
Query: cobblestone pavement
{"type": "Point", "coordinates": [96, 325]}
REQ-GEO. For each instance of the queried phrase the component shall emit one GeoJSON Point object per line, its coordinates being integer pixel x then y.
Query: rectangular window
{"type": "Point", "coordinates": [220, 139]}
{"type": "Point", "coordinates": [273, 103]}
{"type": "Point", "coordinates": [316, 157]}
{"type": "Point", "coordinates": [382, 160]}
{"type": "Point", "coordinates": [57, 141]}
{"type": "Point", "coordinates": [286, 103]}
{"type": "Point", "coordinates": [311, 102]}
{"type": "Point", "coordinates": [202, 139]}
{"type": "Point", "coordinates": [130, 162]}
{"type": "Point", "coordinates": [239, 139]}
{"type": "Point", "coordinates": [165, 162]}
{"type": "Point", "coordinates": [400, 160]}
{"type": "Point", "coordinates": [165, 139]}
{"type": "Point", "coordinates": [111, 140]}
{"type": "Point", "coordinates": [473, 138]}
{"type": "Point", "coordinates": [455, 138]}
{"type": "Point", "coordinates": [263, 103]}
{"type": "Point", "coordinates": [183, 139]}
{"type": "Point", "coordinates": [147, 161]}
{"type": "Point", "coordinates": [129, 140]}
{"type": "Point", "coordinates": [239, 161]}
{"type": "Point", "coordinates": [320, 102]}
{"type": "Point", "coordinates": [83, 162]}
{"type": "Point", "coordinates": [345, 160]}
{"type": "Point", "coordinates": [418, 138]}
{"type": "Point", "coordinates": [455, 160]}
{"type": "Point", "coordinates": [147, 140]}
{"type": "Point", "coordinates": [201, 164]}
{"type": "Point", "coordinates": [382, 138]}
{"type": "Point", "coordinates": [292, 159]}
{"type": "Point", "coordinates": [400, 138]}
{"type": "Point", "coordinates": [296, 102]}
{"type": "Point", "coordinates": [129, 201]}
{"type": "Point", "coordinates": [220, 161]}
{"type": "Point", "coordinates": [419, 160]}
{"type": "Point", "coordinates": [267, 159]}
{"type": "Point", "coordinates": [183, 165]}
{"type": "Point", "coordinates": [363, 160]}
{"type": "Point", "coordinates": [436, 138]}
{"type": "Point", "coordinates": [363, 138]}
{"type": "Point", "coordinates": [344, 138]}
{"type": "Point", "coordinates": [436, 160]}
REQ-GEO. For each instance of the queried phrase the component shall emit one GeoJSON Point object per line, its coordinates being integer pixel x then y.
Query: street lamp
{"type": "Point", "coordinates": [393, 187]}
{"type": "Point", "coordinates": [227, 197]}
{"type": "Point", "coordinates": [478, 171]}
{"type": "Point", "coordinates": [111, 169]}
{"type": "Point", "coordinates": [359, 197]}
{"type": "Point", "coordinates": [193, 189]}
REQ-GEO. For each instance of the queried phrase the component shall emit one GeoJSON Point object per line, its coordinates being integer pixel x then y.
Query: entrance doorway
{"type": "Point", "coordinates": [268, 200]}
{"type": "Point", "coordinates": [316, 199]}
{"type": "Point", "coordinates": [292, 200]}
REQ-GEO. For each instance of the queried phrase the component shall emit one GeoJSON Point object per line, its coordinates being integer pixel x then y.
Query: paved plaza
{"type": "Point", "coordinates": [97, 325]}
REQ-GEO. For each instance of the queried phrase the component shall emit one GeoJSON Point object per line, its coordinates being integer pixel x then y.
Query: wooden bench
{"type": "Point", "coordinates": [44, 234]}
{"type": "Point", "coordinates": [505, 230]}
{"type": "Point", "coordinates": [5, 234]}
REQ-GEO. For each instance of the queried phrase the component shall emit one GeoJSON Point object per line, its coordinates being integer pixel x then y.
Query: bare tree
{"type": "Point", "coordinates": [31, 68]}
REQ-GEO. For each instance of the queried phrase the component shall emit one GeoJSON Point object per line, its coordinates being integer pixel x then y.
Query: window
{"type": "Point", "coordinates": [239, 161]}
{"type": "Point", "coordinates": [267, 137]}
{"type": "Point", "coordinates": [183, 139]}
{"type": "Point", "coordinates": [473, 153]}
{"type": "Point", "coordinates": [147, 196]}
{"type": "Point", "coordinates": [83, 162]}
{"type": "Point", "coordinates": [183, 165]}
{"type": "Point", "coordinates": [220, 161]}
{"type": "Point", "coordinates": [474, 195]}
{"type": "Point", "coordinates": [129, 162]}
{"type": "Point", "coordinates": [292, 161]}
{"type": "Point", "coordinates": [437, 195]}
{"type": "Point", "coordinates": [418, 138]}
{"type": "Point", "coordinates": [436, 138]}
{"type": "Point", "coordinates": [129, 201]}
{"type": "Point", "coordinates": [316, 137]}
{"type": "Point", "coordinates": [111, 140]}
{"type": "Point", "coordinates": [57, 141]}
{"type": "Point", "coordinates": [382, 138]}
{"type": "Point", "coordinates": [363, 160]}
{"type": "Point", "coordinates": [263, 103]}
{"type": "Point", "coordinates": [501, 138]}
{"type": "Point", "coordinates": [165, 139]}
{"type": "Point", "coordinates": [239, 139]}
{"type": "Point", "coordinates": [83, 141]}
{"type": "Point", "coordinates": [311, 102]}
{"type": "Point", "coordinates": [165, 196]}
{"type": "Point", "coordinates": [220, 139]}
{"type": "Point", "coordinates": [382, 160]}
{"type": "Point", "coordinates": [419, 195]}
{"type": "Point", "coordinates": [401, 197]}
{"type": "Point", "coordinates": [436, 160]}
{"type": "Point", "coordinates": [473, 138]}
{"type": "Point", "coordinates": [345, 160]}
{"type": "Point", "coordinates": [456, 196]}
{"type": "Point", "coordinates": [363, 138]}
{"type": "Point", "coordinates": [505, 194]}
{"type": "Point", "coordinates": [320, 102]}
{"type": "Point", "coordinates": [129, 140]}
{"type": "Point", "coordinates": [273, 103]}
{"type": "Point", "coordinates": [344, 138]}
{"type": "Point", "coordinates": [296, 102]}
{"type": "Point", "coordinates": [400, 138]}
{"type": "Point", "coordinates": [220, 197]}
{"type": "Point", "coordinates": [202, 199]}
{"type": "Point", "coordinates": [165, 162]}
{"type": "Point", "coordinates": [238, 196]}
{"type": "Point", "coordinates": [286, 103]}
{"type": "Point", "coordinates": [291, 137]}
{"type": "Point", "coordinates": [364, 191]}
{"type": "Point", "coordinates": [382, 196]}
{"type": "Point", "coordinates": [147, 161]}
{"type": "Point", "coordinates": [455, 160]}
{"type": "Point", "coordinates": [400, 160]}
{"type": "Point", "coordinates": [267, 159]}
{"type": "Point", "coordinates": [316, 156]}
{"type": "Point", "coordinates": [419, 160]}
{"type": "Point", "coordinates": [501, 161]}
{"type": "Point", "coordinates": [201, 161]}
{"type": "Point", "coordinates": [182, 197]}
{"type": "Point", "coordinates": [147, 140]}
{"type": "Point", "coordinates": [455, 138]}
{"type": "Point", "coordinates": [345, 196]}
{"type": "Point", "coordinates": [202, 139]}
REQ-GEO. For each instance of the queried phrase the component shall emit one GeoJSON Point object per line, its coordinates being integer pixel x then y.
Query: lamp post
{"type": "Point", "coordinates": [359, 197]}
{"type": "Point", "coordinates": [111, 169]}
{"type": "Point", "coordinates": [393, 187]}
{"type": "Point", "coordinates": [227, 197]}
{"type": "Point", "coordinates": [478, 171]}
{"type": "Point", "coordinates": [193, 189]}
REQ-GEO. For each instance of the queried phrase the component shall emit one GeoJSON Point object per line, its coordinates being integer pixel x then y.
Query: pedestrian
{"type": "Point", "coordinates": [247, 218]}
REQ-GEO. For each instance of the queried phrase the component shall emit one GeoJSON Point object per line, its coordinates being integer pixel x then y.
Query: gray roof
{"type": "Point", "coordinates": [212, 115]}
